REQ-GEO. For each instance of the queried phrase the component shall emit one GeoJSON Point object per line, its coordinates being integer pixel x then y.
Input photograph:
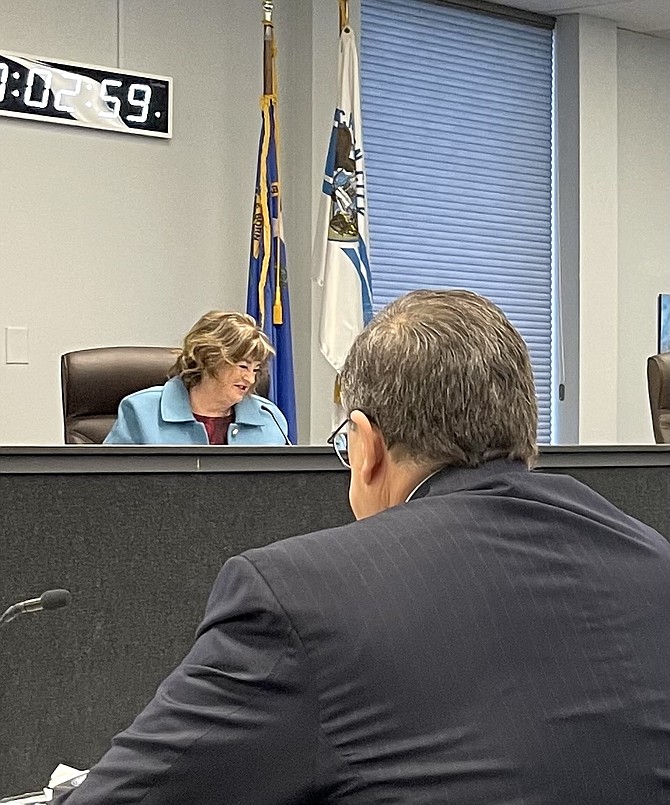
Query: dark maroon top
{"type": "Point", "coordinates": [216, 427]}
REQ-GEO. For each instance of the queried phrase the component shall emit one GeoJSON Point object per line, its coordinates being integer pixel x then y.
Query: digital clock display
{"type": "Point", "coordinates": [84, 95]}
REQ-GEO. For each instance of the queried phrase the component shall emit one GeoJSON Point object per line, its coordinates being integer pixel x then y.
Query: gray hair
{"type": "Point", "coordinates": [446, 379]}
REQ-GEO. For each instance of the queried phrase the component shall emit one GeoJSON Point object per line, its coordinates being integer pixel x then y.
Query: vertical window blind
{"type": "Point", "coordinates": [457, 123]}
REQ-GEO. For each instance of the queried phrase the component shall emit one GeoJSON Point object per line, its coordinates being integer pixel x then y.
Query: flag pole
{"type": "Point", "coordinates": [268, 47]}
{"type": "Point", "coordinates": [266, 103]}
{"type": "Point", "coordinates": [344, 14]}
{"type": "Point", "coordinates": [269, 90]}
{"type": "Point", "coordinates": [267, 285]}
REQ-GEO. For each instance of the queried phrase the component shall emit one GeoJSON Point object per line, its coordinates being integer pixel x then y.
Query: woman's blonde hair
{"type": "Point", "coordinates": [217, 339]}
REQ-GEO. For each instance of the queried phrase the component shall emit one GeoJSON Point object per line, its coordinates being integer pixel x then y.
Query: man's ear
{"type": "Point", "coordinates": [371, 449]}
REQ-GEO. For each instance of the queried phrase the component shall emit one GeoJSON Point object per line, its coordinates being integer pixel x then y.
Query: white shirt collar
{"type": "Point", "coordinates": [420, 484]}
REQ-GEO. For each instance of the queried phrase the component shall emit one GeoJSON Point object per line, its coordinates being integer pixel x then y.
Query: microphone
{"type": "Point", "coordinates": [51, 599]}
{"type": "Point", "coordinates": [281, 430]}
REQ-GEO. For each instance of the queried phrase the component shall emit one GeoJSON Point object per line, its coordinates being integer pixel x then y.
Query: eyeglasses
{"type": "Point", "coordinates": [339, 438]}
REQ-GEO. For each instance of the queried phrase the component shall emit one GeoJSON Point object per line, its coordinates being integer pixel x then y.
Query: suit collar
{"type": "Point", "coordinates": [454, 479]}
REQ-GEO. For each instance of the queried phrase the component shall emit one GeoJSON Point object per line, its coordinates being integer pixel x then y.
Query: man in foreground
{"type": "Point", "coordinates": [483, 633]}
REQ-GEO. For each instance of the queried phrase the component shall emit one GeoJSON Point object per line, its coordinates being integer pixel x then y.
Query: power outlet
{"type": "Point", "coordinates": [16, 345]}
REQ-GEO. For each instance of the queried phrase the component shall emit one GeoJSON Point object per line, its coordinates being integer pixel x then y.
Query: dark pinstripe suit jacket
{"type": "Point", "coordinates": [504, 637]}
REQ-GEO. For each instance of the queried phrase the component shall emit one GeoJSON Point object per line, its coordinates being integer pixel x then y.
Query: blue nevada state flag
{"type": "Point", "coordinates": [341, 249]}
{"type": "Point", "coordinates": [267, 292]}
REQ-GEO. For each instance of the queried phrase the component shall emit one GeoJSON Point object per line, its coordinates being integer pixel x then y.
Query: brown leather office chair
{"type": "Point", "coordinates": [94, 381]}
{"type": "Point", "coordinates": [658, 381]}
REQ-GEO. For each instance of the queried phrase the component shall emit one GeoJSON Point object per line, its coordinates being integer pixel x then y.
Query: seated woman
{"type": "Point", "coordinates": [209, 398]}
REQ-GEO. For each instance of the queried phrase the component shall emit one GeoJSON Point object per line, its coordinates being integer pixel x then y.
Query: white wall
{"type": "Point", "coordinates": [324, 91]}
{"type": "Point", "coordinates": [614, 200]}
{"type": "Point", "coordinates": [643, 64]}
{"type": "Point", "coordinates": [297, 44]}
{"type": "Point", "coordinates": [598, 230]}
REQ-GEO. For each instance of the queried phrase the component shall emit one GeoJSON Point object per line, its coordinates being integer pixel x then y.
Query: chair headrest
{"type": "Point", "coordinates": [658, 380]}
{"type": "Point", "coordinates": [94, 381]}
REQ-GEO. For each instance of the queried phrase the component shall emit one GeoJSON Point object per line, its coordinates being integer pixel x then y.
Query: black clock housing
{"type": "Point", "coordinates": [85, 95]}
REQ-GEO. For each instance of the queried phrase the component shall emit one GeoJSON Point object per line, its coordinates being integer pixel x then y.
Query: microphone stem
{"type": "Point", "coordinates": [281, 430]}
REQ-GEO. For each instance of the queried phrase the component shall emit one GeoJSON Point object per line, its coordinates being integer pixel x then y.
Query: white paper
{"type": "Point", "coordinates": [63, 774]}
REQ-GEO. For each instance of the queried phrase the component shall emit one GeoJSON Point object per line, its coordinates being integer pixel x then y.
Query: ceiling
{"type": "Point", "coordinates": [645, 16]}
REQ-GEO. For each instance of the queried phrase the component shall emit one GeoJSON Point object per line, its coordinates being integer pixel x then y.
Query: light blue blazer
{"type": "Point", "coordinates": [163, 415]}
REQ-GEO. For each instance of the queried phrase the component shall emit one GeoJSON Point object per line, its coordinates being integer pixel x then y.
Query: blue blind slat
{"type": "Point", "coordinates": [457, 118]}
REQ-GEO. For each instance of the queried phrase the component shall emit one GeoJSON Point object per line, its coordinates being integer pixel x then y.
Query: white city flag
{"type": "Point", "coordinates": [341, 249]}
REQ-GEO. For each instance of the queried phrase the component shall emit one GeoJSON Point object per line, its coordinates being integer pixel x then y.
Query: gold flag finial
{"type": "Point", "coordinates": [268, 6]}
{"type": "Point", "coordinates": [344, 14]}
